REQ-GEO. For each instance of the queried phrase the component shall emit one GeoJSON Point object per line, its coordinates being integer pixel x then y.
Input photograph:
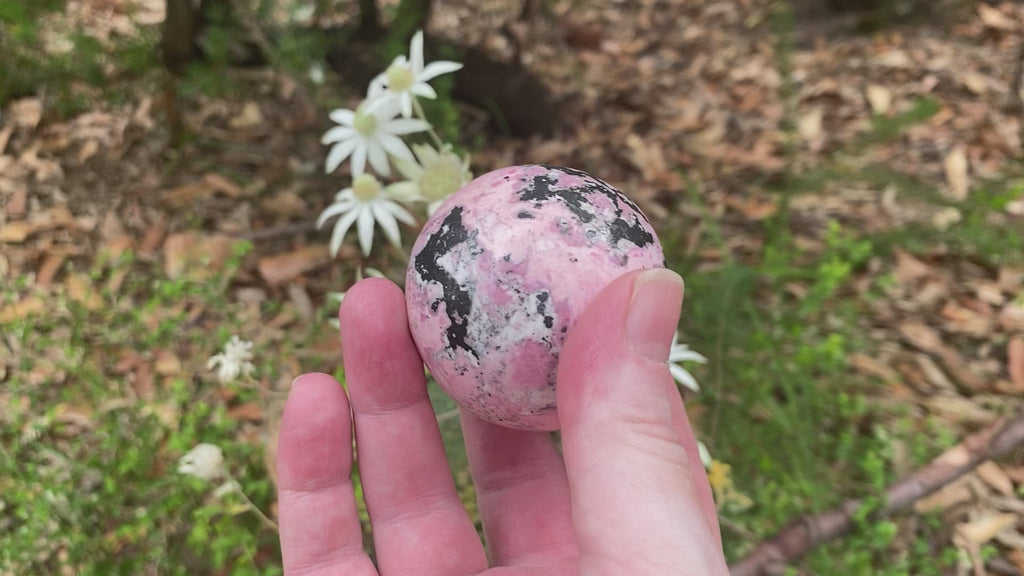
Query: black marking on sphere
{"type": "Point", "coordinates": [577, 200]}
{"type": "Point", "coordinates": [458, 303]}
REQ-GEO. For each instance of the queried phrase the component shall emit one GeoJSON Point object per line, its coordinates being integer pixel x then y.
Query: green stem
{"type": "Point", "coordinates": [418, 108]}
{"type": "Point", "coordinates": [252, 506]}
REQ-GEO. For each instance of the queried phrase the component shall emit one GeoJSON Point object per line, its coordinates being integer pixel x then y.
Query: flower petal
{"type": "Point", "coordinates": [408, 167]}
{"type": "Point", "coordinates": [680, 353]}
{"type": "Point", "coordinates": [387, 222]}
{"type": "Point", "coordinates": [434, 206]}
{"type": "Point", "coordinates": [423, 90]}
{"type": "Point", "coordinates": [339, 152]}
{"type": "Point", "coordinates": [378, 158]}
{"type": "Point", "coordinates": [401, 213]}
{"type": "Point", "coordinates": [407, 191]}
{"type": "Point", "coordinates": [359, 160]}
{"type": "Point", "coordinates": [343, 116]}
{"type": "Point", "coordinates": [404, 126]}
{"type": "Point", "coordinates": [365, 224]}
{"type": "Point", "coordinates": [406, 100]}
{"type": "Point", "coordinates": [384, 108]}
{"type": "Point", "coordinates": [684, 377]}
{"type": "Point", "coordinates": [395, 146]}
{"type": "Point", "coordinates": [341, 227]}
{"type": "Point", "coordinates": [376, 87]}
{"type": "Point", "coordinates": [332, 211]}
{"type": "Point", "coordinates": [416, 52]}
{"type": "Point", "coordinates": [435, 69]}
{"type": "Point", "coordinates": [337, 134]}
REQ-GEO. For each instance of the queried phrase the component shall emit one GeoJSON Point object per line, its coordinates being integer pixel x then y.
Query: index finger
{"type": "Point", "coordinates": [320, 529]}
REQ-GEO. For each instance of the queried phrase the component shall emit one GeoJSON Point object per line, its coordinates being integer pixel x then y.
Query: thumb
{"type": "Point", "coordinates": [640, 500]}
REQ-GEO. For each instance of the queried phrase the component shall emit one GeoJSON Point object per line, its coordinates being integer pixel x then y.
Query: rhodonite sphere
{"type": "Point", "coordinates": [500, 273]}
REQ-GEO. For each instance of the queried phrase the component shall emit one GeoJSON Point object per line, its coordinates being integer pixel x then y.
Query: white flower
{"type": "Point", "coordinates": [234, 361]}
{"type": "Point", "coordinates": [407, 78]}
{"type": "Point", "coordinates": [316, 73]}
{"type": "Point", "coordinates": [205, 461]}
{"type": "Point", "coordinates": [704, 454]}
{"type": "Point", "coordinates": [369, 134]}
{"type": "Point", "coordinates": [364, 203]}
{"type": "Point", "coordinates": [437, 175]}
{"type": "Point", "coordinates": [682, 353]}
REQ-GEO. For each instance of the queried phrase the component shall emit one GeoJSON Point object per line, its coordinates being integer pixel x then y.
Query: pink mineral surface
{"type": "Point", "coordinates": [501, 272]}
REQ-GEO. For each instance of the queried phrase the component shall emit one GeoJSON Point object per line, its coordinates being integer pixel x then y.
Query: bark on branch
{"type": "Point", "coordinates": [802, 535]}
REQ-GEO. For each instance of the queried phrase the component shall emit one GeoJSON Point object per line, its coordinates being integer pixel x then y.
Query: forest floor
{"type": "Point", "coordinates": [846, 208]}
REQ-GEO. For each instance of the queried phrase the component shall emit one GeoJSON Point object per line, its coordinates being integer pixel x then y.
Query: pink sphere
{"type": "Point", "coordinates": [499, 275]}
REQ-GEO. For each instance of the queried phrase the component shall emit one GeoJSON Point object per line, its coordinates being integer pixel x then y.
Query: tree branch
{"type": "Point", "coordinates": [804, 534]}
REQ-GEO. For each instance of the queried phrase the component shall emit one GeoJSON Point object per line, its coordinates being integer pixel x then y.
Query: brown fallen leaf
{"type": "Point", "coordinates": [142, 381]}
{"type": "Point", "coordinates": [249, 117]}
{"type": "Point", "coordinates": [933, 374]}
{"type": "Point", "coordinates": [753, 209]}
{"type": "Point", "coordinates": [988, 292]}
{"type": "Point", "coordinates": [22, 309]}
{"type": "Point", "coordinates": [992, 475]}
{"type": "Point", "coordinates": [921, 336]}
{"type": "Point", "coordinates": [26, 113]}
{"type": "Point", "coordinates": [167, 363]}
{"type": "Point", "coordinates": [302, 302]}
{"type": "Point", "coordinates": [247, 411]}
{"type": "Point", "coordinates": [197, 256]}
{"type": "Point", "coordinates": [955, 166]}
{"type": "Point", "coordinates": [281, 268]}
{"type": "Point", "coordinates": [950, 495]}
{"type": "Point", "coordinates": [1016, 556]}
{"type": "Point", "coordinates": [16, 232]}
{"type": "Point", "coordinates": [1010, 280]}
{"type": "Point", "coordinates": [963, 320]}
{"type": "Point", "coordinates": [81, 290]}
{"type": "Point", "coordinates": [1011, 318]}
{"type": "Point", "coordinates": [17, 206]}
{"type": "Point", "coordinates": [811, 128]}
{"type": "Point", "coordinates": [879, 98]}
{"type": "Point", "coordinates": [959, 409]}
{"type": "Point", "coordinates": [154, 236]}
{"type": "Point", "coordinates": [975, 82]}
{"type": "Point", "coordinates": [1014, 473]}
{"type": "Point", "coordinates": [871, 367]}
{"type": "Point", "coordinates": [49, 268]}
{"type": "Point", "coordinates": [909, 269]}
{"type": "Point", "coordinates": [188, 194]}
{"type": "Point", "coordinates": [1015, 362]}
{"type": "Point", "coordinates": [223, 185]}
{"type": "Point", "coordinates": [985, 528]}
{"type": "Point", "coordinates": [995, 18]}
{"type": "Point", "coordinates": [5, 137]}
{"type": "Point", "coordinates": [285, 204]}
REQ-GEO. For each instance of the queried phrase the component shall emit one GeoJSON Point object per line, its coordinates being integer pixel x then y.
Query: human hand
{"type": "Point", "coordinates": [626, 495]}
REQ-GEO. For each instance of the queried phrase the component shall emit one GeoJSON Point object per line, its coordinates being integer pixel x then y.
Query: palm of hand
{"type": "Point", "coordinates": [627, 496]}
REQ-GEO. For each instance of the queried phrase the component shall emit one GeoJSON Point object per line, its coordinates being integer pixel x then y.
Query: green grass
{"type": "Point", "coordinates": [88, 460]}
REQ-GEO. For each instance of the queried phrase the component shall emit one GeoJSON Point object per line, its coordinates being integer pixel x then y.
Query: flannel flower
{"type": "Point", "coordinates": [369, 134]}
{"type": "Point", "coordinates": [366, 202]}
{"type": "Point", "coordinates": [407, 78]}
{"type": "Point", "coordinates": [205, 461]}
{"type": "Point", "coordinates": [682, 353]}
{"type": "Point", "coordinates": [437, 175]}
{"type": "Point", "coordinates": [235, 361]}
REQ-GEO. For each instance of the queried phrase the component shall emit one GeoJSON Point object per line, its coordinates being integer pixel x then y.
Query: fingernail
{"type": "Point", "coordinates": [654, 313]}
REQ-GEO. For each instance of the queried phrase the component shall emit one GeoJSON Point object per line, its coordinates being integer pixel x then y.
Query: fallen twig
{"type": "Point", "coordinates": [804, 534]}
